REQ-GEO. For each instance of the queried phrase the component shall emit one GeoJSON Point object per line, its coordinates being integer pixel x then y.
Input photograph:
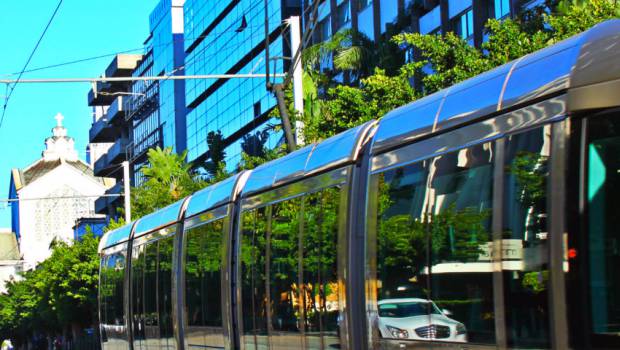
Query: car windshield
{"type": "Point", "coordinates": [407, 309]}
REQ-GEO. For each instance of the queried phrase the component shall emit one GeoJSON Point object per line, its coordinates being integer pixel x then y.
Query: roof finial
{"type": "Point", "coordinates": [59, 119]}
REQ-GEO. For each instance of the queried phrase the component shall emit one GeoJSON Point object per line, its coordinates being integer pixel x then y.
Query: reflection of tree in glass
{"type": "Point", "coordinates": [530, 171]}
{"type": "Point", "coordinates": [320, 237]}
{"type": "Point", "coordinates": [204, 245]}
{"type": "Point", "coordinates": [283, 271]}
{"type": "Point", "coordinates": [455, 235]}
{"type": "Point", "coordinates": [253, 253]}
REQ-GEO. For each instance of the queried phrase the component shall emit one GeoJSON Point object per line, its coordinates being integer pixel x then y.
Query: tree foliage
{"type": "Point", "coordinates": [168, 178]}
{"type": "Point", "coordinates": [363, 86]}
{"type": "Point", "coordinates": [58, 297]}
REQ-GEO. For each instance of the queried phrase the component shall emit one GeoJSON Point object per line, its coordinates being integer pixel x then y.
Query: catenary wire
{"type": "Point", "coordinates": [49, 22]}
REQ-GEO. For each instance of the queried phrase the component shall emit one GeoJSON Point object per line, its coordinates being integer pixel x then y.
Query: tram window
{"type": "Point", "coordinates": [524, 238]}
{"type": "Point", "coordinates": [203, 265]}
{"type": "Point", "coordinates": [253, 285]}
{"type": "Point", "coordinates": [164, 282]}
{"type": "Point", "coordinates": [151, 316]}
{"type": "Point", "coordinates": [283, 265]}
{"type": "Point", "coordinates": [429, 248]}
{"type": "Point", "coordinates": [137, 291]}
{"type": "Point", "coordinates": [115, 280]}
{"type": "Point", "coordinates": [400, 243]}
{"type": "Point", "coordinates": [321, 302]}
{"type": "Point", "coordinates": [284, 272]}
{"type": "Point", "coordinates": [271, 255]}
{"type": "Point", "coordinates": [603, 190]}
{"type": "Point", "coordinates": [112, 297]}
{"type": "Point", "coordinates": [460, 205]}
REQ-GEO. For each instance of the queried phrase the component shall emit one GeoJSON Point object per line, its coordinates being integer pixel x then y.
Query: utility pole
{"type": "Point", "coordinates": [278, 91]}
{"type": "Point", "coordinates": [298, 95]}
{"type": "Point", "coordinates": [127, 191]}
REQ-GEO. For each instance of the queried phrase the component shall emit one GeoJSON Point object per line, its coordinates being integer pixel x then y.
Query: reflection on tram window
{"type": "Point", "coordinates": [431, 245]}
{"type": "Point", "coordinates": [137, 300]}
{"type": "Point", "coordinates": [203, 265]}
{"type": "Point", "coordinates": [284, 274]}
{"type": "Point", "coordinates": [603, 191]}
{"type": "Point", "coordinates": [291, 247]}
{"type": "Point", "coordinates": [321, 302]}
{"type": "Point", "coordinates": [460, 203]}
{"type": "Point", "coordinates": [253, 292]}
{"type": "Point", "coordinates": [164, 281]}
{"type": "Point", "coordinates": [524, 238]}
{"type": "Point", "coordinates": [151, 316]}
{"type": "Point", "coordinates": [112, 298]}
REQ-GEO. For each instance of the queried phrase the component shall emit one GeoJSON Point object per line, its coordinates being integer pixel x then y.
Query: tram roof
{"type": "Point", "coordinates": [582, 60]}
{"type": "Point", "coordinates": [114, 237]}
{"type": "Point", "coordinates": [329, 154]}
{"type": "Point", "coordinates": [160, 218]}
{"type": "Point", "coordinates": [214, 195]}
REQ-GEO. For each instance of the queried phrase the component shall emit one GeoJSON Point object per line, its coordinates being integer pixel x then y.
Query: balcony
{"type": "Point", "coordinates": [109, 163]}
{"type": "Point", "coordinates": [122, 65]}
{"type": "Point", "coordinates": [116, 112]}
{"type": "Point", "coordinates": [102, 203]}
{"type": "Point", "coordinates": [102, 131]}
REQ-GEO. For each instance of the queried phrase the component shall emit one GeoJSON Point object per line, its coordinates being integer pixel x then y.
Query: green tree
{"type": "Point", "coordinates": [168, 178]}
{"type": "Point", "coordinates": [59, 297]}
{"type": "Point", "coordinates": [215, 165]}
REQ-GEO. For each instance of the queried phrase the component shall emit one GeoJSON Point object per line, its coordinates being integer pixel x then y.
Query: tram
{"type": "Point", "coordinates": [479, 217]}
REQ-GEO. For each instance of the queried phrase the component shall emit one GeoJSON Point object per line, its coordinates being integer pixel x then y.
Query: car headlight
{"type": "Point", "coordinates": [460, 329]}
{"type": "Point", "coordinates": [397, 332]}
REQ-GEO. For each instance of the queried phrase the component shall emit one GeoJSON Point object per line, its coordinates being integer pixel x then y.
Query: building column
{"type": "Point", "coordinates": [416, 13]}
{"type": "Point", "coordinates": [481, 15]}
{"type": "Point", "coordinates": [333, 11]}
{"type": "Point", "coordinates": [354, 10]}
{"type": "Point", "coordinates": [445, 17]}
{"type": "Point", "coordinates": [376, 18]}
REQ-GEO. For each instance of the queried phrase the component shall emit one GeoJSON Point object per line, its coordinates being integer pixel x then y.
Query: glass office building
{"type": "Point", "coordinates": [157, 108]}
{"type": "Point", "coordinates": [374, 17]}
{"type": "Point", "coordinates": [228, 37]}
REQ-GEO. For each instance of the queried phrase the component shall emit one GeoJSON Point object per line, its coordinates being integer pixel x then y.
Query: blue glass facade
{"type": "Point", "coordinates": [228, 37]}
{"type": "Point", "coordinates": [157, 108]}
{"type": "Point", "coordinates": [166, 25]}
{"type": "Point", "coordinates": [374, 17]}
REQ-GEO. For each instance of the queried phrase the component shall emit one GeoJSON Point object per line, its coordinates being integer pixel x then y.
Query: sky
{"type": "Point", "coordinates": [81, 29]}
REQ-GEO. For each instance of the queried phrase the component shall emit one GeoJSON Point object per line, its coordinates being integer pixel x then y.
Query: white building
{"type": "Point", "coordinates": [10, 263]}
{"type": "Point", "coordinates": [53, 192]}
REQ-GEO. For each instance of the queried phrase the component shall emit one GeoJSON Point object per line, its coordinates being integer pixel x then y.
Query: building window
{"type": "Point", "coordinates": [362, 4]}
{"type": "Point", "coordinates": [502, 8]}
{"type": "Point", "coordinates": [343, 14]}
{"type": "Point", "coordinates": [464, 25]}
{"type": "Point", "coordinates": [323, 30]}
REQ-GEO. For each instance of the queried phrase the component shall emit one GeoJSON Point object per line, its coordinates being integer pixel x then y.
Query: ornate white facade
{"type": "Point", "coordinates": [53, 193]}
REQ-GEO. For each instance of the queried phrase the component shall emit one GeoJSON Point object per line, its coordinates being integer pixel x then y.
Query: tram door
{"type": "Point", "coordinates": [594, 250]}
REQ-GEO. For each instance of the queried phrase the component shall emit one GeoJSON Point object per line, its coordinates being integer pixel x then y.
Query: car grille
{"type": "Point", "coordinates": [433, 332]}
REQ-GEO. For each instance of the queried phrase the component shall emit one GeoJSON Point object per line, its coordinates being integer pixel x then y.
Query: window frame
{"type": "Point", "coordinates": [221, 212]}
{"type": "Point", "coordinates": [300, 189]}
{"type": "Point", "coordinates": [492, 130]}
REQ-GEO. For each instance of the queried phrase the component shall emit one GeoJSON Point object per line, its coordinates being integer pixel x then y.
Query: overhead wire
{"type": "Point", "coordinates": [111, 54]}
{"type": "Point", "coordinates": [49, 22]}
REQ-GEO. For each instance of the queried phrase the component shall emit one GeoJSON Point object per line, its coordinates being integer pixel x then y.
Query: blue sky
{"type": "Point", "coordinates": [80, 29]}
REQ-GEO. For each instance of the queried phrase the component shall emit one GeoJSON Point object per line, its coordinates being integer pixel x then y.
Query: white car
{"type": "Point", "coordinates": [418, 319]}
